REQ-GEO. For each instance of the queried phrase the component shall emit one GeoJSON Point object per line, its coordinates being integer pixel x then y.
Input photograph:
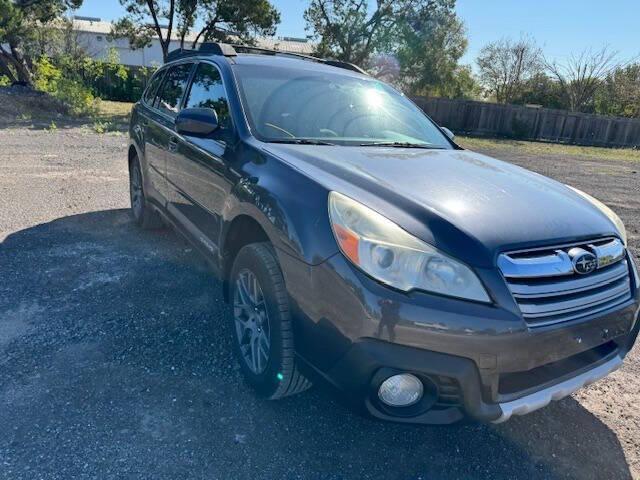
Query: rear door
{"type": "Point", "coordinates": [152, 152]}
{"type": "Point", "coordinates": [161, 126]}
{"type": "Point", "coordinates": [196, 170]}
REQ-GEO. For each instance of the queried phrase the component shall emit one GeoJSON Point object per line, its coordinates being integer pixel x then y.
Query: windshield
{"type": "Point", "coordinates": [309, 106]}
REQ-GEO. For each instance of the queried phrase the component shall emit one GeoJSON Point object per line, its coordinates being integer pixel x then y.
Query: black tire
{"type": "Point", "coordinates": [143, 213]}
{"type": "Point", "coordinates": [280, 377]}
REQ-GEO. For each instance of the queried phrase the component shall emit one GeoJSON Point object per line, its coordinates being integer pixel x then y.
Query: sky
{"type": "Point", "coordinates": [560, 27]}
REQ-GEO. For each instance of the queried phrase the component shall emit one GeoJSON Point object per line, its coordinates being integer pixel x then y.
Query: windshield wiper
{"type": "Point", "coordinates": [401, 145]}
{"type": "Point", "coordinates": [300, 141]}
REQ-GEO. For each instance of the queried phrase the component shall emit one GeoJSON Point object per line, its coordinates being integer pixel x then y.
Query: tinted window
{"type": "Point", "coordinates": [207, 91]}
{"type": "Point", "coordinates": [173, 89]}
{"type": "Point", "coordinates": [152, 88]}
{"type": "Point", "coordinates": [294, 103]}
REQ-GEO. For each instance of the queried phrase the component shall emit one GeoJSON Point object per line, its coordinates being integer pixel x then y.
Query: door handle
{"type": "Point", "coordinates": [173, 144]}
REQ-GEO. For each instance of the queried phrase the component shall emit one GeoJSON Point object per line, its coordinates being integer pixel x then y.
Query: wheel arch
{"type": "Point", "coordinates": [133, 153]}
{"type": "Point", "coordinates": [242, 230]}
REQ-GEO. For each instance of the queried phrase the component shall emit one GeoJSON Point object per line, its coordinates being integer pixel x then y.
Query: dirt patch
{"type": "Point", "coordinates": [22, 104]}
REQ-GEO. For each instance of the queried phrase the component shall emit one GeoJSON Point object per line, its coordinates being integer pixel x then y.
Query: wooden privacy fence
{"type": "Point", "coordinates": [531, 123]}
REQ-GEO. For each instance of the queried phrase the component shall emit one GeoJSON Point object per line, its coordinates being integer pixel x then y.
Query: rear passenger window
{"type": "Point", "coordinates": [207, 91]}
{"type": "Point", "coordinates": [152, 88]}
{"type": "Point", "coordinates": [173, 89]}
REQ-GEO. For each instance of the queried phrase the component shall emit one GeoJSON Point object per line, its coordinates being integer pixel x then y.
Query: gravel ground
{"type": "Point", "coordinates": [115, 363]}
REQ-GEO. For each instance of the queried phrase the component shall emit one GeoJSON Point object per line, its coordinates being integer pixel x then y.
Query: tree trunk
{"type": "Point", "coordinates": [5, 70]}
{"type": "Point", "coordinates": [165, 50]}
{"type": "Point", "coordinates": [20, 63]}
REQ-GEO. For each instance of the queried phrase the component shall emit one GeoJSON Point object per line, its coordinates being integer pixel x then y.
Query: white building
{"type": "Point", "coordinates": [93, 35]}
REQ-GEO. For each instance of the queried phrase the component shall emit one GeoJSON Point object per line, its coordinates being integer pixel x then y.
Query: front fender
{"type": "Point", "coordinates": [291, 208]}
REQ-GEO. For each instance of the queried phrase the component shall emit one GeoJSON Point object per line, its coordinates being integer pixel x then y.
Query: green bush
{"type": "Point", "coordinates": [4, 81]}
{"type": "Point", "coordinates": [73, 93]}
{"type": "Point", "coordinates": [78, 97]}
{"type": "Point", "coordinates": [79, 81]}
{"type": "Point", "coordinates": [47, 75]}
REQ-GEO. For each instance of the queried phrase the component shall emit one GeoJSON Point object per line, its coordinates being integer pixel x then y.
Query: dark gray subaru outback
{"type": "Point", "coordinates": [360, 245]}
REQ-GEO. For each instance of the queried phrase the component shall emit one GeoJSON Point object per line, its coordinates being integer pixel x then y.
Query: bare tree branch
{"type": "Point", "coordinates": [581, 74]}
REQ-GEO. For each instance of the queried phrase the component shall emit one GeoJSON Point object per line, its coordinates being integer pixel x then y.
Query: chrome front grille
{"type": "Point", "coordinates": [548, 289]}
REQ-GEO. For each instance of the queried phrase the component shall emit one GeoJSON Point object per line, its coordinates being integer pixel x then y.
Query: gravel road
{"type": "Point", "coordinates": [115, 363]}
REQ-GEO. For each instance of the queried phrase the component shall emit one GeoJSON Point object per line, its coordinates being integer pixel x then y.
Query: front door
{"type": "Point", "coordinates": [196, 169]}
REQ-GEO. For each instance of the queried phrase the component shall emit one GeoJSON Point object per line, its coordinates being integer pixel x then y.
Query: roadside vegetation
{"type": "Point", "coordinates": [517, 147]}
{"type": "Point", "coordinates": [24, 107]}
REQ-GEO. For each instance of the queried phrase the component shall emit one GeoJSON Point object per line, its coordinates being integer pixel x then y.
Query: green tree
{"type": "Point", "coordinates": [425, 37]}
{"type": "Point", "coordinates": [619, 93]}
{"type": "Point", "coordinates": [19, 23]}
{"type": "Point", "coordinates": [344, 30]}
{"type": "Point", "coordinates": [543, 90]}
{"type": "Point", "coordinates": [432, 41]}
{"type": "Point", "coordinates": [241, 20]}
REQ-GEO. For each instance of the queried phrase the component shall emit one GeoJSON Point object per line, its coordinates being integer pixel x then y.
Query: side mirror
{"type": "Point", "coordinates": [448, 133]}
{"type": "Point", "coordinates": [197, 122]}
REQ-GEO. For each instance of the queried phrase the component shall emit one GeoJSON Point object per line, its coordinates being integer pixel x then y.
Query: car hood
{"type": "Point", "coordinates": [455, 199]}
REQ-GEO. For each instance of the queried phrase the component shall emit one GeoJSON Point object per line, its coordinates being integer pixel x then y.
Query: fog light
{"type": "Point", "coordinates": [401, 390]}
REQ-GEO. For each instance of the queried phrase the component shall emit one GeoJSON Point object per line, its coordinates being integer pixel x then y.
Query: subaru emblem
{"type": "Point", "coordinates": [584, 262]}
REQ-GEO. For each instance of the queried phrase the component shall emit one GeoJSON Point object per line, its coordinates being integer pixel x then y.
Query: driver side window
{"type": "Point", "coordinates": [207, 91]}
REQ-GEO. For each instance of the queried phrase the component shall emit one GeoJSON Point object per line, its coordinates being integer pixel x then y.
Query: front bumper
{"type": "Point", "coordinates": [482, 361]}
{"type": "Point", "coordinates": [542, 398]}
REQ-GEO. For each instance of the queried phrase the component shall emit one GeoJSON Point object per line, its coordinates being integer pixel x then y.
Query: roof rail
{"type": "Point", "coordinates": [266, 51]}
{"type": "Point", "coordinates": [211, 48]}
{"type": "Point", "coordinates": [345, 65]}
{"type": "Point", "coordinates": [217, 48]}
{"type": "Point", "coordinates": [229, 50]}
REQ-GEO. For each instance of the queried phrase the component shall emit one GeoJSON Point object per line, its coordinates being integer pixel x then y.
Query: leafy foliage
{"type": "Point", "coordinates": [541, 89]}
{"type": "Point", "coordinates": [345, 30]}
{"type": "Point", "coordinates": [432, 42]}
{"type": "Point", "coordinates": [20, 22]}
{"type": "Point", "coordinates": [77, 81]}
{"type": "Point", "coordinates": [424, 39]}
{"type": "Point", "coordinates": [619, 93]}
{"type": "Point", "coordinates": [72, 92]}
{"type": "Point", "coordinates": [238, 19]}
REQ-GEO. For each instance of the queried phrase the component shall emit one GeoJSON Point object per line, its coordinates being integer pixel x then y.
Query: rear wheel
{"type": "Point", "coordinates": [262, 332]}
{"type": "Point", "coordinates": [143, 214]}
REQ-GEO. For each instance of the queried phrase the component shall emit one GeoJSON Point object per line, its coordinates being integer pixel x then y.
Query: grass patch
{"type": "Point", "coordinates": [548, 149]}
{"type": "Point", "coordinates": [109, 110]}
{"type": "Point", "coordinates": [111, 116]}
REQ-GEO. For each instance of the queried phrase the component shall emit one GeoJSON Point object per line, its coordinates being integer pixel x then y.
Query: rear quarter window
{"type": "Point", "coordinates": [173, 89]}
{"type": "Point", "coordinates": [152, 88]}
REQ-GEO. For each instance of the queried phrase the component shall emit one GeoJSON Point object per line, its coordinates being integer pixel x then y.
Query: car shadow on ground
{"type": "Point", "coordinates": [115, 362]}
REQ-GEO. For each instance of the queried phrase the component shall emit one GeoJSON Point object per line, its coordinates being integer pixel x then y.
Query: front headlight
{"type": "Point", "coordinates": [392, 256]}
{"type": "Point", "coordinates": [607, 211]}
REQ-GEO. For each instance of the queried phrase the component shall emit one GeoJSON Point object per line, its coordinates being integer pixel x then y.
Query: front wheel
{"type": "Point", "coordinates": [262, 332]}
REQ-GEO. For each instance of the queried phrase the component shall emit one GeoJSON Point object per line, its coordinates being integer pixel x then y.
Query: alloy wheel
{"type": "Point", "coordinates": [251, 321]}
{"type": "Point", "coordinates": [135, 189]}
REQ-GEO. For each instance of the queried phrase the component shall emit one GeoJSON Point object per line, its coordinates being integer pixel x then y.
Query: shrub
{"type": "Point", "coordinates": [49, 78]}
{"type": "Point", "coordinates": [4, 81]}
{"type": "Point", "coordinates": [47, 75]}
{"type": "Point", "coordinates": [78, 97]}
